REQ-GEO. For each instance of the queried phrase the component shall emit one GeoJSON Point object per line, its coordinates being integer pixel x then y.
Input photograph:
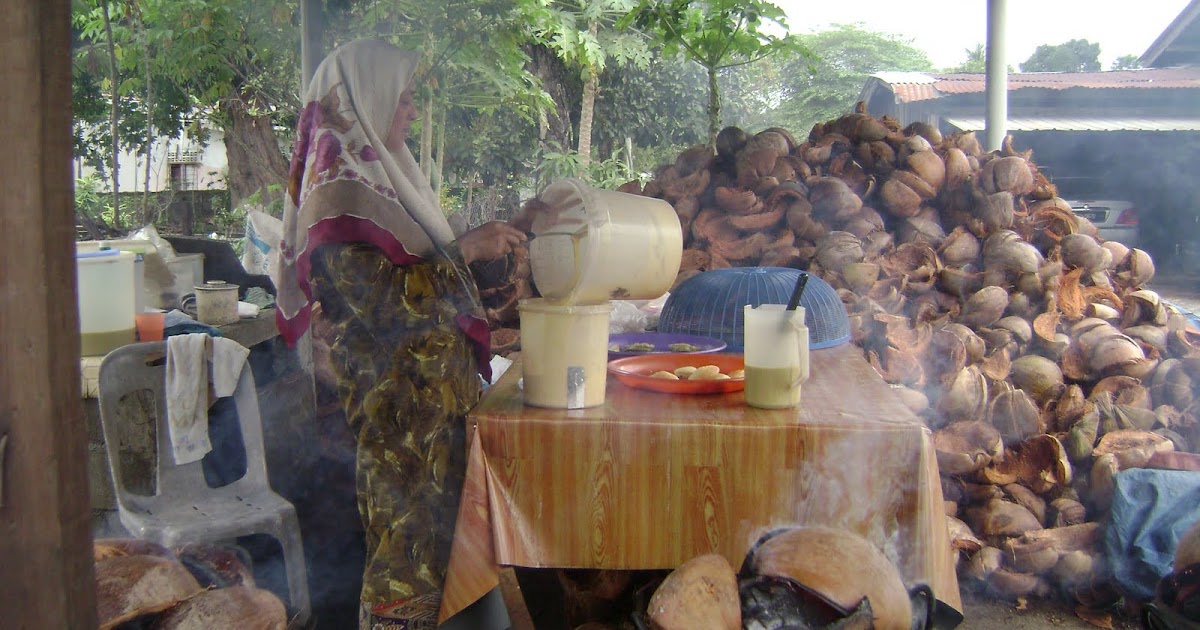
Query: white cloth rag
{"type": "Point", "coordinates": [188, 389]}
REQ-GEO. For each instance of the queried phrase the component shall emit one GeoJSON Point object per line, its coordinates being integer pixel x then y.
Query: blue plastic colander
{"type": "Point", "coordinates": [710, 304]}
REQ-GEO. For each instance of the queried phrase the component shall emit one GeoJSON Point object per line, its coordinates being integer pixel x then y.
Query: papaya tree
{"type": "Point", "coordinates": [718, 35]}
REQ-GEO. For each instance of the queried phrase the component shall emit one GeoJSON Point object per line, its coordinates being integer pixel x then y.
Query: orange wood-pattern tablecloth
{"type": "Point", "coordinates": [649, 481]}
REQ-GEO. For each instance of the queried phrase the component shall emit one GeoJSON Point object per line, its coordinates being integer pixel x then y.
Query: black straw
{"type": "Point", "coordinates": [797, 292]}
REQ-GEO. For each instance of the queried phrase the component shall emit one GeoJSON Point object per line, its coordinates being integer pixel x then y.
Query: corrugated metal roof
{"type": "Point", "coordinates": [920, 86]}
{"type": "Point", "coordinates": [1083, 124]}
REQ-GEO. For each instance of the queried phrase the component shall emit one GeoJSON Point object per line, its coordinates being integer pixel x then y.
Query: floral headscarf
{"type": "Point", "coordinates": [343, 184]}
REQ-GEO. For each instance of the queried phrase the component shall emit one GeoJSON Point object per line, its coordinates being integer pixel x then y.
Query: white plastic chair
{"type": "Point", "coordinates": [184, 508]}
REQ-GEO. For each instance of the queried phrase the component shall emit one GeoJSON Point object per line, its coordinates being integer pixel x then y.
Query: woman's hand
{"type": "Point", "coordinates": [523, 221]}
{"type": "Point", "coordinates": [489, 241]}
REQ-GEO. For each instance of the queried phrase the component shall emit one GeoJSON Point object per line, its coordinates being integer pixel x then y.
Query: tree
{"type": "Point", "coordinates": [976, 60]}
{"type": "Point", "coordinates": [845, 57]}
{"type": "Point", "coordinates": [1126, 62]}
{"type": "Point", "coordinates": [581, 32]}
{"type": "Point", "coordinates": [1077, 55]}
{"type": "Point", "coordinates": [230, 62]}
{"type": "Point", "coordinates": [717, 34]}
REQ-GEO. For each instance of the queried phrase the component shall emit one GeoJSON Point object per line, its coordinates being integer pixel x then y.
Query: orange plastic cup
{"type": "Point", "coordinates": [149, 326]}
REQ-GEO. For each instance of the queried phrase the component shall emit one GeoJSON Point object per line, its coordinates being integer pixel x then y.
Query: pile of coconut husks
{"type": "Point", "coordinates": [1031, 347]}
{"type": "Point", "coordinates": [140, 584]}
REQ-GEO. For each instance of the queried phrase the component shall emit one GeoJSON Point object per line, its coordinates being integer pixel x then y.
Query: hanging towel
{"type": "Point", "coordinates": [188, 380]}
{"type": "Point", "coordinates": [187, 397]}
{"type": "Point", "coordinates": [228, 357]}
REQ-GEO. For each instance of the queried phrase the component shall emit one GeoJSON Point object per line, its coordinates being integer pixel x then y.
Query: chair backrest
{"type": "Point", "coordinates": [142, 366]}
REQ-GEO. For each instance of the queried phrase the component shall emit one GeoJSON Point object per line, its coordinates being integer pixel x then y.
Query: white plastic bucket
{"type": "Point", "coordinates": [105, 290]}
{"type": "Point", "coordinates": [603, 245]}
{"type": "Point", "coordinates": [564, 353]}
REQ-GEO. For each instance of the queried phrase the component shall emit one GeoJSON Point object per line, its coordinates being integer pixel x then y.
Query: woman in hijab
{"type": "Point", "coordinates": [365, 239]}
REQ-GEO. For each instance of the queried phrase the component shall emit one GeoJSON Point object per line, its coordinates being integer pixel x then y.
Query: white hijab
{"type": "Point", "coordinates": [343, 184]}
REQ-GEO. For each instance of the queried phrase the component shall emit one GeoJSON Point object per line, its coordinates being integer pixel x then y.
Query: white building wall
{"type": "Point", "coordinates": [207, 174]}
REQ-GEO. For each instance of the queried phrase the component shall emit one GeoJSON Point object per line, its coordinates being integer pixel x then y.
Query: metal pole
{"type": "Point", "coordinates": [997, 75]}
{"type": "Point", "coordinates": [311, 30]}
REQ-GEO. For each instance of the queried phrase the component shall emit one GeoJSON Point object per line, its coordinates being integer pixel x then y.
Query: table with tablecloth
{"type": "Point", "coordinates": [650, 480]}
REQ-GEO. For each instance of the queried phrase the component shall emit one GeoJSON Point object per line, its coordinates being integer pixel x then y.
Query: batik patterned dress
{"type": "Point", "coordinates": [407, 375]}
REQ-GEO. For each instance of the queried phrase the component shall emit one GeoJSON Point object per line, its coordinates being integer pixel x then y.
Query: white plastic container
{"type": "Point", "coordinates": [776, 353]}
{"type": "Point", "coordinates": [564, 353]}
{"type": "Point", "coordinates": [105, 290]}
{"type": "Point", "coordinates": [603, 245]}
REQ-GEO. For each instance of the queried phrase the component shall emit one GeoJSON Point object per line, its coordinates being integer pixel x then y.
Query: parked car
{"type": "Point", "coordinates": [1116, 220]}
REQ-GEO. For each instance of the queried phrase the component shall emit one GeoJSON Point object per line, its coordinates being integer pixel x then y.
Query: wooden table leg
{"type": "Point", "coordinates": [514, 600]}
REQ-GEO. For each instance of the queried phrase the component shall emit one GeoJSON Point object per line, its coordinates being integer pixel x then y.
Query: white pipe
{"type": "Point", "coordinates": [997, 75]}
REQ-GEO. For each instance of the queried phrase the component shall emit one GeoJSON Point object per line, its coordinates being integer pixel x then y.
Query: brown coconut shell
{"type": "Point", "coordinates": [700, 593]}
{"type": "Point", "coordinates": [899, 199]}
{"type": "Point", "coordinates": [131, 586]}
{"type": "Point", "coordinates": [967, 446]}
{"type": "Point", "coordinates": [998, 517]}
{"type": "Point", "coordinates": [1011, 174]}
{"type": "Point", "coordinates": [840, 565]}
{"type": "Point", "coordinates": [105, 548]}
{"type": "Point", "coordinates": [241, 607]}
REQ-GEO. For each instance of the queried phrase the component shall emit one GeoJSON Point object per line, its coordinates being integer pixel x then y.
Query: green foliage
{"type": "Point", "coordinates": [976, 61]}
{"type": "Point", "coordinates": [555, 163]}
{"type": "Point", "coordinates": [91, 201]}
{"type": "Point", "coordinates": [846, 56]}
{"type": "Point", "coordinates": [1126, 62]}
{"type": "Point", "coordinates": [1077, 55]}
{"type": "Point", "coordinates": [580, 32]}
{"type": "Point", "coordinates": [273, 205]}
{"type": "Point", "coordinates": [717, 34]}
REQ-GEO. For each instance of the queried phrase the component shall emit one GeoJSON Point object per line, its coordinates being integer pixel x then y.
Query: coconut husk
{"type": "Point", "coordinates": [821, 558]}
{"type": "Point", "coordinates": [216, 566]}
{"type": "Point", "coordinates": [1040, 462]}
{"type": "Point", "coordinates": [687, 208]}
{"type": "Point", "coordinates": [754, 162]}
{"type": "Point", "coordinates": [1082, 537]}
{"type": "Point", "coordinates": [928, 165]}
{"type": "Point", "coordinates": [847, 169]}
{"type": "Point", "coordinates": [983, 563]}
{"type": "Point", "coordinates": [898, 366]}
{"type": "Point", "coordinates": [1015, 415]}
{"type": "Point", "coordinates": [702, 592]}
{"type": "Point", "coordinates": [1132, 449]}
{"type": "Point", "coordinates": [1036, 558]}
{"type": "Point", "coordinates": [694, 259]}
{"type": "Point", "coordinates": [1009, 174]}
{"type": "Point", "coordinates": [1172, 385]}
{"type": "Point", "coordinates": [693, 159]}
{"type": "Point", "coordinates": [1026, 498]}
{"type": "Point", "coordinates": [802, 223]}
{"type": "Point", "coordinates": [966, 396]}
{"type": "Point", "coordinates": [505, 340]}
{"type": "Point", "coordinates": [832, 199]}
{"type": "Point", "coordinates": [998, 517]}
{"type": "Point", "coordinates": [737, 200]}
{"type": "Point", "coordinates": [985, 307]}
{"type": "Point", "coordinates": [1070, 407]}
{"type": "Point", "coordinates": [631, 187]}
{"type": "Point", "coordinates": [959, 248]}
{"type": "Point", "coordinates": [132, 586]}
{"type": "Point", "coordinates": [997, 365]}
{"type": "Point", "coordinates": [1064, 511]}
{"type": "Point", "coordinates": [995, 211]}
{"type": "Point", "coordinates": [915, 400]}
{"type": "Point", "coordinates": [967, 446]}
{"type": "Point", "coordinates": [239, 607]}
{"type": "Point", "coordinates": [1039, 376]}
{"type": "Point", "coordinates": [962, 539]}
{"type": "Point", "coordinates": [105, 548]}
{"type": "Point", "coordinates": [899, 199]}
{"type": "Point", "coordinates": [760, 221]}
{"type": "Point", "coordinates": [786, 256]}
{"type": "Point", "coordinates": [730, 140]}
